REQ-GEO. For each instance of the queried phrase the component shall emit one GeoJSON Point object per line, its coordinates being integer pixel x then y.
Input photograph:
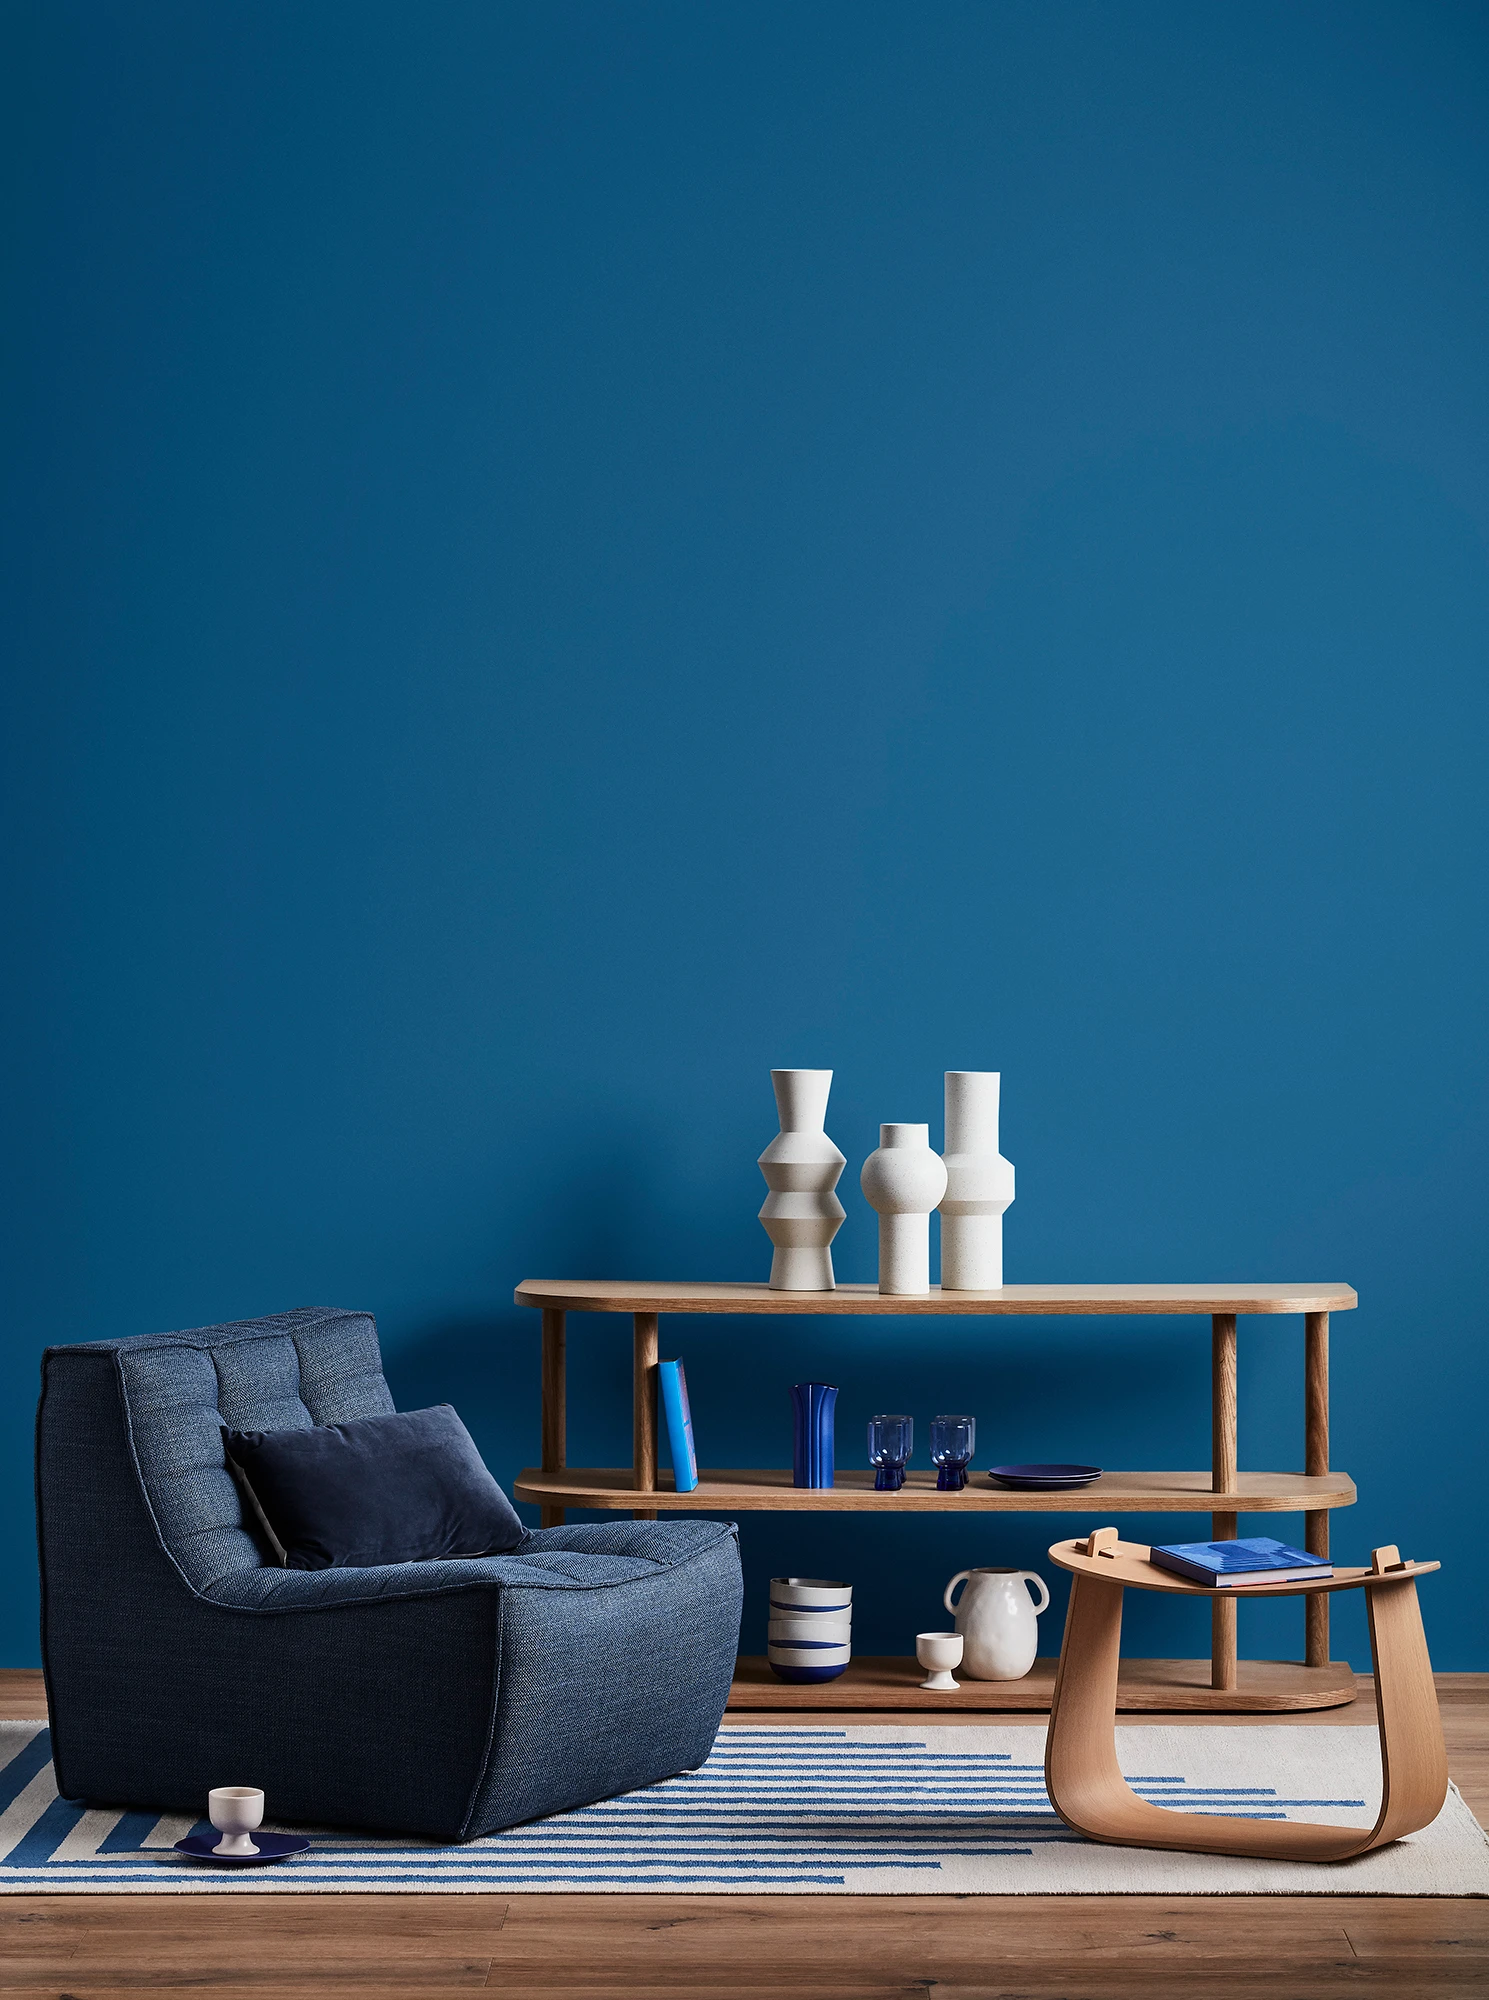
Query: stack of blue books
{"type": "Point", "coordinates": [1232, 1565]}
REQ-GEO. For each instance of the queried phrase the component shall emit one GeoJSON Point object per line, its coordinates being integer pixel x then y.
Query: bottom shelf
{"type": "Point", "coordinates": [1171, 1685]}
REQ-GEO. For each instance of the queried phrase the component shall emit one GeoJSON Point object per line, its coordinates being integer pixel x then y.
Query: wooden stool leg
{"type": "Point", "coordinates": [555, 1407]}
{"type": "Point", "coordinates": [644, 1411]}
{"type": "Point", "coordinates": [1316, 1460]}
{"type": "Point", "coordinates": [1412, 1754]}
{"type": "Point", "coordinates": [1081, 1772]}
{"type": "Point", "coordinates": [1223, 1480]}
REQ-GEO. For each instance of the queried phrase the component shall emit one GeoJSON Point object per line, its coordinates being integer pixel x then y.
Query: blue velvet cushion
{"type": "Point", "coordinates": [408, 1487]}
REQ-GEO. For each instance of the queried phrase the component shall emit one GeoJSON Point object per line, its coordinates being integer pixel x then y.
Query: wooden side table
{"type": "Point", "coordinates": [1085, 1782]}
{"type": "Point", "coordinates": [1222, 1491]}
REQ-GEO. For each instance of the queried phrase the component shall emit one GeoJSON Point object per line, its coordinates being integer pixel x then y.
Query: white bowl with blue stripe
{"type": "Point", "coordinates": [820, 1661]}
{"type": "Point", "coordinates": [798, 1594]}
{"type": "Point", "coordinates": [809, 1637]}
{"type": "Point", "coordinates": [784, 1631]}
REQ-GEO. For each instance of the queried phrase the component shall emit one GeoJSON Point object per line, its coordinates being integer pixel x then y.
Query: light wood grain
{"type": "Point", "coordinates": [1129, 1563]}
{"type": "Point", "coordinates": [1084, 1778]}
{"type": "Point", "coordinates": [644, 1411]}
{"type": "Point", "coordinates": [1261, 1687]}
{"type": "Point", "coordinates": [617, 1296]}
{"type": "Point", "coordinates": [1316, 1460]}
{"type": "Point", "coordinates": [555, 1405]}
{"type": "Point", "coordinates": [763, 1489]}
{"type": "Point", "coordinates": [1223, 1523]}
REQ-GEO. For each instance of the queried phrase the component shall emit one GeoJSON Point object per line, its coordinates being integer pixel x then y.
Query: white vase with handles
{"type": "Point", "coordinates": [997, 1620]}
{"type": "Point", "coordinates": [904, 1180]}
{"type": "Point", "coordinates": [979, 1184]}
{"type": "Point", "coordinates": [801, 1165]}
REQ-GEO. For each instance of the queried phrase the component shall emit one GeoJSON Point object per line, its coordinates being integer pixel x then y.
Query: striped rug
{"type": "Point", "coordinates": [865, 1811]}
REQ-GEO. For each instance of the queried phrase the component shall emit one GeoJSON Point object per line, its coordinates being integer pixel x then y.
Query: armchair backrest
{"type": "Point", "coordinates": [171, 1394]}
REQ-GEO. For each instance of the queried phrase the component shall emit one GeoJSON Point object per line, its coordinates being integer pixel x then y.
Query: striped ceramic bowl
{"type": "Point", "coordinates": [810, 1633]}
{"type": "Point", "coordinates": [796, 1594]}
{"type": "Point", "coordinates": [828, 1628]}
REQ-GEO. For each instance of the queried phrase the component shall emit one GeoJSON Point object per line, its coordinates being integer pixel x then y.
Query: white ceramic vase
{"type": "Point", "coordinates": [979, 1184]}
{"type": "Point", "coordinates": [998, 1623]}
{"type": "Point", "coordinates": [904, 1180]}
{"type": "Point", "coordinates": [801, 1165]}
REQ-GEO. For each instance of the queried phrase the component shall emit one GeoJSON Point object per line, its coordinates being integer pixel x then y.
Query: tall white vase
{"type": "Point", "coordinates": [904, 1180]}
{"type": "Point", "coordinates": [979, 1184]}
{"type": "Point", "coordinates": [801, 1165]}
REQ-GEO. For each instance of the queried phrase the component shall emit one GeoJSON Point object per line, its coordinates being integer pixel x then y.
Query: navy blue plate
{"type": "Point", "coordinates": [271, 1847]}
{"type": "Point", "coordinates": [1043, 1478]}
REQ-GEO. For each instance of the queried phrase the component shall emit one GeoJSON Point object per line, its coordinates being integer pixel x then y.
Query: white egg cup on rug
{"type": "Point", "coordinates": [979, 1184]}
{"type": "Point", "coordinates": [236, 1811]}
{"type": "Point", "coordinates": [904, 1180]}
{"type": "Point", "coordinates": [801, 1165]}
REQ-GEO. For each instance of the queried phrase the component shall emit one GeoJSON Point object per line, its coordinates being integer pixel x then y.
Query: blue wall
{"type": "Point", "coordinates": [569, 554]}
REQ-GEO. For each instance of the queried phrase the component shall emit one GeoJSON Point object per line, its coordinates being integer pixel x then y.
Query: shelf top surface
{"type": "Point", "coordinates": [769, 1488]}
{"type": "Point", "coordinates": [1130, 1564]}
{"type": "Point", "coordinates": [604, 1295]}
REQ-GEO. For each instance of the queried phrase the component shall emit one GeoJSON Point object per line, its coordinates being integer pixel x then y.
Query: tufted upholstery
{"type": "Point", "coordinates": [443, 1698]}
{"type": "Point", "coordinates": [286, 1373]}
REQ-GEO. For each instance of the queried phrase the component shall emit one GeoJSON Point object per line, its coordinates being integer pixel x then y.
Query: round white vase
{"type": "Point", "coordinates": [904, 1180]}
{"type": "Point", "coordinates": [801, 1165]}
{"type": "Point", "coordinates": [979, 1184]}
{"type": "Point", "coordinates": [998, 1622]}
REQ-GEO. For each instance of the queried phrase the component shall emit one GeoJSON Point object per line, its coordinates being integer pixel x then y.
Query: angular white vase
{"type": "Point", "coordinates": [801, 1214]}
{"type": "Point", "coordinates": [904, 1180]}
{"type": "Point", "coordinates": [979, 1184]}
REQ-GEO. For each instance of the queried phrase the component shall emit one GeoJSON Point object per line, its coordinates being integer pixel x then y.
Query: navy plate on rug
{"type": "Point", "coordinates": [271, 1847]}
{"type": "Point", "coordinates": [1043, 1478]}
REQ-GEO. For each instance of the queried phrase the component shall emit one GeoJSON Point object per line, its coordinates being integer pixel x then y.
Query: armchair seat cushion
{"type": "Point", "coordinates": [608, 1553]}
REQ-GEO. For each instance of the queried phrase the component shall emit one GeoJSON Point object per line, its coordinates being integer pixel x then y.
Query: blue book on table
{"type": "Point", "coordinates": [674, 1387]}
{"type": "Point", "coordinates": [1229, 1565]}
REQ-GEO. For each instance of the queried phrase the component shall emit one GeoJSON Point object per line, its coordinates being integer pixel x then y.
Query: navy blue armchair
{"type": "Point", "coordinates": [445, 1698]}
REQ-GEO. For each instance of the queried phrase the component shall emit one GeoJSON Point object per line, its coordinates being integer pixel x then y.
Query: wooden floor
{"type": "Point", "coordinates": [777, 1947]}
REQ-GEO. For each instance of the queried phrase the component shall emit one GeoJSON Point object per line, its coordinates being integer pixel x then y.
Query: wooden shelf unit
{"type": "Point", "coordinates": [1224, 1492]}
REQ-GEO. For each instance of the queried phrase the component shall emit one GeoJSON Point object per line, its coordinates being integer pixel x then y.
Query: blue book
{"type": "Point", "coordinates": [1231, 1565]}
{"type": "Point", "coordinates": [674, 1387]}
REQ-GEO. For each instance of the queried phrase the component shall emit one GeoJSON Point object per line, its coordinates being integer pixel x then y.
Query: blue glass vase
{"type": "Point", "coordinates": [812, 1407]}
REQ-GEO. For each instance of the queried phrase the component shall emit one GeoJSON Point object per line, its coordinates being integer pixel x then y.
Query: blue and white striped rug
{"type": "Point", "coordinates": [945, 1809]}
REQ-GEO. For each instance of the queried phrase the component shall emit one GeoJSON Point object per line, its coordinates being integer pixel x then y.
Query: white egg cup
{"type": "Point", "coordinates": [940, 1652]}
{"type": "Point", "coordinates": [236, 1811]}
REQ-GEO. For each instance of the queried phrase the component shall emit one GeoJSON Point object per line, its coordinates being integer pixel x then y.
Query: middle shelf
{"type": "Point", "coordinates": [769, 1489]}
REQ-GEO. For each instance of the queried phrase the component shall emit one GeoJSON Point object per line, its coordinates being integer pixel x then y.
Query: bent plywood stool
{"type": "Point", "coordinates": [1085, 1783]}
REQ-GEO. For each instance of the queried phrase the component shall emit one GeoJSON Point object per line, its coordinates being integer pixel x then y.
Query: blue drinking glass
{"type": "Point", "coordinates": [891, 1442]}
{"type": "Point", "coordinates": [953, 1440]}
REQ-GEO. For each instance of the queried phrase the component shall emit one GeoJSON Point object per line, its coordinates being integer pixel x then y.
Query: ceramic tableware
{"type": "Point", "coordinates": [267, 1847]}
{"type": "Point", "coordinates": [1043, 1478]}
{"type": "Point", "coordinates": [826, 1628]}
{"type": "Point", "coordinates": [235, 1810]}
{"type": "Point", "coordinates": [997, 1621]}
{"type": "Point", "coordinates": [938, 1653]}
{"type": "Point", "coordinates": [795, 1594]}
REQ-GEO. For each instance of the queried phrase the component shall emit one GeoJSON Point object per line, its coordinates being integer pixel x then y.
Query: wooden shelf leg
{"type": "Point", "coordinates": [1316, 1460]}
{"type": "Point", "coordinates": [555, 1408]}
{"type": "Point", "coordinates": [1222, 1480]}
{"type": "Point", "coordinates": [644, 1411]}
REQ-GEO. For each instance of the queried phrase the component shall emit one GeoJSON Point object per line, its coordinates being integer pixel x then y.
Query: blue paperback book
{"type": "Point", "coordinates": [674, 1387]}
{"type": "Point", "coordinates": [1230, 1565]}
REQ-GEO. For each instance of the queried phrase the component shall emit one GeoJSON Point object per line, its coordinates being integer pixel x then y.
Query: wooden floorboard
{"type": "Point", "coordinates": [773, 1947]}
